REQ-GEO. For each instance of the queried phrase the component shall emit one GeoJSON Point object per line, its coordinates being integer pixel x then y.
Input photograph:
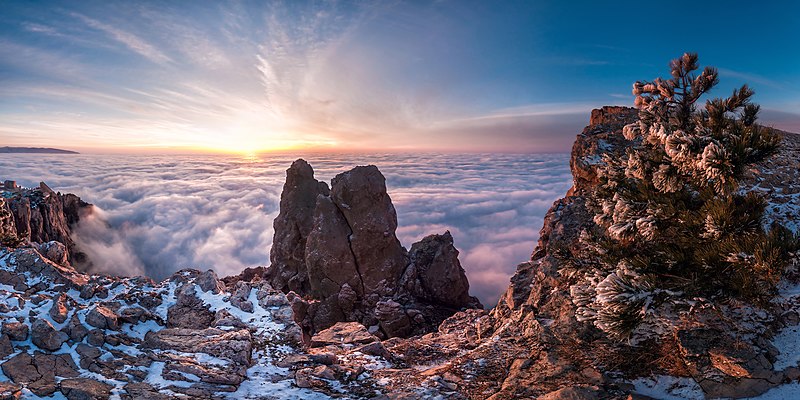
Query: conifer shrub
{"type": "Point", "coordinates": [672, 224]}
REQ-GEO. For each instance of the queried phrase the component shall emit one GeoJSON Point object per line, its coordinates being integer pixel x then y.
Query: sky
{"type": "Point", "coordinates": [471, 76]}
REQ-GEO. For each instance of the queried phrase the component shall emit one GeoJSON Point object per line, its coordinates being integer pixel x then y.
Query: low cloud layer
{"type": "Point", "coordinates": [160, 214]}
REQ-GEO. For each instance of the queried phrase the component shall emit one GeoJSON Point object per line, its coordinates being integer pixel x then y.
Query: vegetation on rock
{"type": "Point", "coordinates": [673, 227]}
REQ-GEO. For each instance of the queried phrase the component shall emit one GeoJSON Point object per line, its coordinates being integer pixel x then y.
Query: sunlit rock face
{"type": "Point", "coordinates": [41, 215]}
{"type": "Point", "coordinates": [354, 267]}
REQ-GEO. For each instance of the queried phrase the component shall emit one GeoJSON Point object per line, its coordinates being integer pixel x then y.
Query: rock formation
{"type": "Point", "coordinates": [353, 266]}
{"type": "Point", "coordinates": [41, 215]}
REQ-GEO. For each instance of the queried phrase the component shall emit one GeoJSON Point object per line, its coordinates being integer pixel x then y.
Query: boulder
{"type": "Point", "coordinates": [102, 317]}
{"type": "Point", "coordinates": [208, 282]}
{"type": "Point", "coordinates": [15, 330]}
{"type": "Point", "coordinates": [189, 311]}
{"type": "Point", "coordinates": [59, 310]}
{"type": "Point", "coordinates": [88, 354]}
{"type": "Point", "coordinates": [393, 318]}
{"type": "Point", "coordinates": [45, 336]}
{"type": "Point", "coordinates": [343, 333]}
{"type": "Point", "coordinates": [6, 348]}
{"type": "Point", "coordinates": [239, 298]}
{"type": "Point", "coordinates": [85, 389]}
{"type": "Point", "coordinates": [435, 275]}
{"type": "Point", "coordinates": [21, 369]}
{"type": "Point", "coordinates": [75, 329]}
{"type": "Point", "coordinates": [38, 373]}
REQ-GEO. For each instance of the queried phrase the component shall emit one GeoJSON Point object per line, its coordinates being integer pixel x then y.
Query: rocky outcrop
{"type": "Point", "coordinates": [435, 275]}
{"type": "Point", "coordinates": [354, 267]}
{"type": "Point", "coordinates": [41, 216]}
{"type": "Point", "coordinates": [295, 220]}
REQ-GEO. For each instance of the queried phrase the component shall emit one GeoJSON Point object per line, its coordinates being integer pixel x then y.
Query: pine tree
{"type": "Point", "coordinates": [672, 221]}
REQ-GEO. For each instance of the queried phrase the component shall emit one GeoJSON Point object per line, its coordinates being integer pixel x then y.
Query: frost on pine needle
{"type": "Point", "coordinates": [670, 220]}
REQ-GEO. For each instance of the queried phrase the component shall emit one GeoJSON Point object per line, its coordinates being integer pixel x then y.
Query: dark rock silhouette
{"type": "Point", "coordinates": [298, 200]}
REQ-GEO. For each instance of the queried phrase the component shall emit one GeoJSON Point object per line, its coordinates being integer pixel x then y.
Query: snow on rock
{"type": "Point", "coordinates": [668, 388]}
{"type": "Point", "coordinates": [113, 337]}
{"type": "Point", "coordinates": [787, 341]}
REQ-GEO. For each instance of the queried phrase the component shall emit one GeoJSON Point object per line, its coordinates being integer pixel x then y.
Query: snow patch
{"type": "Point", "coordinates": [666, 387]}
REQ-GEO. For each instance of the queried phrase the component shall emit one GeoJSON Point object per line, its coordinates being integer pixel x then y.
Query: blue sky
{"type": "Point", "coordinates": [114, 76]}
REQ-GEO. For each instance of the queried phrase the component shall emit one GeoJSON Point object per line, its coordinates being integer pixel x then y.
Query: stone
{"type": "Point", "coordinates": [6, 348]}
{"type": "Point", "coordinates": [88, 354]}
{"type": "Point", "coordinates": [96, 337]}
{"type": "Point", "coordinates": [75, 329]}
{"type": "Point", "coordinates": [38, 373]}
{"type": "Point", "coordinates": [287, 270]}
{"type": "Point", "coordinates": [189, 311]}
{"type": "Point", "coordinates": [85, 389]}
{"type": "Point", "coordinates": [343, 333]}
{"type": "Point", "coordinates": [45, 336]}
{"type": "Point", "coordinates": [375, 349]}
{"type": "Point", "coordinates": [102, 317]}
{"type": "Point", "coordinates": [233, 345]}
{"type": "Point", "coordinates": [436, 274]}
{"type": "Point", "coordinates": [10, 391]}
{"type": "Point", "coordinates": [239, 298]}
{"type": "Point", "coordinates": [55, 252]}
{"type": "Point", "coordinates": [209, 282]}
{"type": "Point", "coordinates": [21, 369]}
{"type": "Point", "coordinates": [59, 309]}
{"type": "Point", "coordinates": [393, 319]}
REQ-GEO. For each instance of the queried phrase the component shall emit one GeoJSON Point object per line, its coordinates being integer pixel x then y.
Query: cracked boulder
{"type": "Point", "coordinates": [360, 195]}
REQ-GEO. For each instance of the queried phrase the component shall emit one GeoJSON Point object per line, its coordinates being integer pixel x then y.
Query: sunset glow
{"type": "Point", "coordinates": [347, 76]}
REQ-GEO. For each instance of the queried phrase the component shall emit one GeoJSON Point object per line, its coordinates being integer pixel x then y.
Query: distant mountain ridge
{"type": "Point", "coordinates": [47, 150]}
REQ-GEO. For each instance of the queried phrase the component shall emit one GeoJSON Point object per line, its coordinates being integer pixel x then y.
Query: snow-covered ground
{"type": "Point", "coordinates": [264, 380]}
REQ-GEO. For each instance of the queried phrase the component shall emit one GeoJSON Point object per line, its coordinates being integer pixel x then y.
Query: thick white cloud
{"type": "Point", "coordinates": [165, 213]}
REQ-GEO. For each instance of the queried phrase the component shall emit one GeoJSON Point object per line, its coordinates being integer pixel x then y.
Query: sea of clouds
{"type": "Point", "coordinates": [159, 214]}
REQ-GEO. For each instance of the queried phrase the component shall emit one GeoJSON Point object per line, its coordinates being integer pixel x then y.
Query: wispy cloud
{"type": "Point", "coordinates": [130, 40]}
{"type": "Point", "coordinates": [755, 78]}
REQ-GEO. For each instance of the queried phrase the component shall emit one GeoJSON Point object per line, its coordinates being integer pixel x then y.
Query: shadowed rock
{"type": "Point", "coordinates": [360, 195]}
{"type": "Point", "coordinates": [435, 274]}
{"type": "Point", "coordinates": [298, 200]}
